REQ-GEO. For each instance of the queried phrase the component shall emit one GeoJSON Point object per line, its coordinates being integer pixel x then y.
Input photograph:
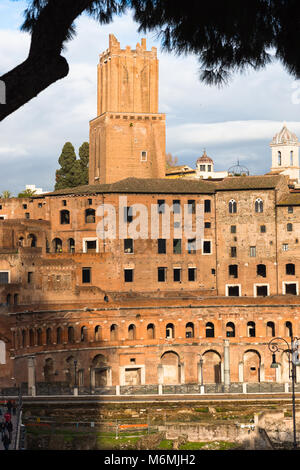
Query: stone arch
{"type": "Point", "coordinates": [270, 329]}
{"type": "Point", "coordinates": [252, 365]}
{"type": "Point", "coordinates": [39, 337]}
{"type": "Point", "coordinates": [230, 329]}
{"type": "Point", "coordinates": [64, 217]}
{"type": "Point", "coordinates": [98, 333]}
{"type": "Point", "coordinates": [170, 331]}
{"type": "Point", "coordinates": [56, 245]}
{"type": "Point", "coordinates": [31, 337]}
{"type": "Point", "coordinates": [170, 362]}
{"type": "Point", "coordinates": [71, 334]}
{"type": "Point", "coordinates": [99, 371]}
{"type": "Point", "coordinates": [189, 330]}
{"type": "Point", "coordinates": [32, 240]}
{"type": "Point", "coordinates": [83, 333]}
{"type": "Point", "coordinates": [71, 245]}
{"type": "Point", "coordinates": [58, 335]}
{"type": "Point", "coordinates": [114, 332]}
{"type": "Point", "coordinates": [211, 367]}
{"type": "Point", "coordinates": [48, 336]}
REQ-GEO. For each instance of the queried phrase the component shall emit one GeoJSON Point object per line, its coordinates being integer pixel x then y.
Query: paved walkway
{"type": "Point", "coordinates": [14, 423]}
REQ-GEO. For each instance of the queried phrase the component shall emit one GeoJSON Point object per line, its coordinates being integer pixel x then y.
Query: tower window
{"type": "Point", "coordinates": [177, 274]}
{"type": "Point", "coordinates": [290, 209]}
{"type": "Point", "coordinates": [233, 229]}
{"type": "Point", "coordinates": [207, 205]}
{"type": "Point", "coordinates": [161, 246]}
{"type": "Point", "coordinates": [191, 206]}
{"type": "Point", "coordinates": [279, 158]}
{"type": "Point", "coordinates": [233, 251]}
{"type": "Point", "coordinates": [289, 227]}
{"type": "Point", "coordinates": [128, 275]}
{"type": "Point", "coordinates": [232, 206]}
{"type": "Point", "coordinates": [262, 229]}
{"type": "Point", "coordinates": [291, 158]}
{"type": "Point", "coordinates": [192, 274]}
{"type": "Point", "coordinates": [143, 156]}
{"type": "Point", "coordinates": [128, 245]}
{"type": "Point", "coordinates": [259, 205]}
{"type": "Point", "coordinates": [161, 274]}
{"type": "Point", "coordinates": [86, 275]}
{"type": "Point", "coordinates": [252, 251]}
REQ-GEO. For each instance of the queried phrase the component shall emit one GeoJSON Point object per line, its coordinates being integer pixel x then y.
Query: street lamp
{"type": "Point", "coordinates": [75, 367]}
{"type": "Point", "coordinates": [293, 357]}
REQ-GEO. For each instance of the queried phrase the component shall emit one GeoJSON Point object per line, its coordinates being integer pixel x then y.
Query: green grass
{"type": "Point", "coordinates": [166, 444]}
{"type": "Point", "coordinates": [202, 410]}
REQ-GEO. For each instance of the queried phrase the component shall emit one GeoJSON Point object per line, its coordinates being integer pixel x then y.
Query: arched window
{"type": "Point", "coordinates": [58, 335]}
{"type": "Point", "coordinates": [64, 217]}
{"type": "Point", "coordinates": [71, 245]}
{"type": "Point", "coordinates": [259, 205]}
{"type": "Point", "coordinates": [290, 269]}
{"type": "Point", "coordinates": [114, 332]}
{"type": "Point", "coordinates": [8, 299]}
{"type": "Point", "coordinates": [170, 331]}
{"type": "Point", "coordinates": [131, 332]}
{"type": "Point", "coordinates": [270, 328]}
{"type": "Point", "coordinates": [279, 158]}
{"type": "Point", "coordinates": [39, 337]}
{"type": "Point", "coordinates": [232, 206]}
{"type": "Point", "coordinates": [150, 331]}
{"type": "Point", "coordinates": [289, 227]}
{"type": "Point", "coordinates": [251, 329]}
{"type": "Point", "coordinates": [16, 299]}
{"type": "Point", "coordinates": [97, 333]}
{"type": "Point", "coordinates": [261, 270]}
{"type": "Point", "coordinates": [90, 216]}
{"type": "Point", "coordinates": [21, 241]}
{"type": "Point", "coordinates": [288, 329]}
{"type": "Point", "coordinates": [83, 333]}
{"type": "Point", "coordinates": [230, 330]}
{"type": "Point", "coordinates": [32, 240]}
{"type": "Point", "coordinates": [31, 337]}
{"type": "Point", "coordinates": [291, 158]}
{"type": "Point", "coordinates": [71, 338]}
{"type": "Point", "coordinates": [189, 330]}
{"type": "Point", "coordinates": [209, 330]}
{"type": "Point", "coordinates": [48, 336]}
{"type": "Point", "coordinates": [57, 245]}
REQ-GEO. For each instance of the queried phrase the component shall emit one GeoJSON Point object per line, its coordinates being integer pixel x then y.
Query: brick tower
{"type": "Point", "coordinates": [127, 138]}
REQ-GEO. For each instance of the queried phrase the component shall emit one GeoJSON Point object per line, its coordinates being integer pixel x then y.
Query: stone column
{"type": "Point", "coordinates": [262, 373]}
{"type": "Point", "coordinates": [241, 372]}
{"type": "Point", "coordinates": [199, 373]}
{"type": "Point", "coordinates": [226, 365]}
{"type": "Point", "coordinates": [31, 376]}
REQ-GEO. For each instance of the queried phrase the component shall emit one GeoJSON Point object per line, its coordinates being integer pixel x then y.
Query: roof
{"type": "Point", "coordinates": [291, 199]}
{"type": "Point", "coordinates": [285, 137]}
{"type": "Point", "coordinates": [142, 185]}
{"type": "Point", "coordinates": [236, 183]}
{"type": "Point", "coordinates": [205, 158]}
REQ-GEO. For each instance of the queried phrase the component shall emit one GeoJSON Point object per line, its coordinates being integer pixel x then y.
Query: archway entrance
{"type": "Point", "coordinates": [211, 367]}
{"type": "Point", "coordinates": [170, 365]}
{"type": "Point", "coordinates": [252, 364]}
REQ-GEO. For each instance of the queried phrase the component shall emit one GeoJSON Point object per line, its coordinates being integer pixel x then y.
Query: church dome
{"type": "Point", "coordinates": [285, 137]}
{"type": "Point", "coordinates": [205, 158]}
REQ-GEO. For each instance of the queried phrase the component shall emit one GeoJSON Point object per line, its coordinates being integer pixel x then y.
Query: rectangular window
{"type": "Point", "coordinates": [128, 275]}
{"type": "Point", "coordinates": [290, 209]}
{"type": "Point", "coordinates": [27, 215]}
{"type": "Point", "coordinates": [24, 206]}
{"type": "Point", "coordinates": [192, 246]}
{"type": "Point", "coordinates": [191, 206]}
{"type": "Point", "coordinates": [233, 229]}
{"type": "Point", "coordinates": [207, 224]}
{"type": "Point", "coordinates": [207, 205]}
{"type": "Point", "coordinates": [233, 270]}
{"type": "Point", "coordinates": [161, 274]}
{"type": "Point", "coordinates": [202, 167]}
{"type": "Point", "coordinates": [291, 289]}
{"type": "Point", "coordinates": [161, 246]}
{"type": "Point", "coordinates": [233, 291]}
{"type": "Point", "coordinates": [29, 277]}
{"type": "Point", "coordinates": [177, 246]}
{"type": "Point", "coordinates": [252, 251]}
{"type": "Point", "coordinates": [143, 156]}
{"type": "Point", "coordinates": [262, 229]}
{"type": "Point", "coordinates": [161, 206]}
{"type": "Point", "coordinates": [261, 291]}
{"type": "Point", "coordinates": [176, 206]}
{"type": "Point", "coordinates": [128, 245]}
{"type": "Point", "coordinates": [192, 274]}
{"type": "Point", "coordinates": [90, 202]}
{"type": "Point", "coordinates": [4, 277]}
{"type": "Point", "coordinates": [285, 247]}
{"type": "Point", "coordinates": [128, 217]}
{"type": "Point", "coordinates": [40, 204]}
{"type": "Point", "coordinates": [207, 247]}
{"type": "Point", "coordinates": [91, 246]}
{"type": "Point", "coordinates": [86, 275]}
{"type": "Point", "coordinates": [233, 251]}
{"type": "Point", "coordinates": [64, 202]}
{"type": "Point", "coordinates": [177, 274]}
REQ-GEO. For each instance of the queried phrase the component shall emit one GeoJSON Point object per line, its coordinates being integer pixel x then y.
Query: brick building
{"type": "Point", "coordinates": [147, 304]}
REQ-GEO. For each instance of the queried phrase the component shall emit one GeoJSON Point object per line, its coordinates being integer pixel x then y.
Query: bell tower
{"type": "Point", "coordinates": [285, 153]}
{"type": "Point", "coordinates": [127, 138]}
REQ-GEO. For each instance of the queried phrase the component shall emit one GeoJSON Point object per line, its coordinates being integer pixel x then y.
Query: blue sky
{"type": "Point", "coordinates": [236, 122]}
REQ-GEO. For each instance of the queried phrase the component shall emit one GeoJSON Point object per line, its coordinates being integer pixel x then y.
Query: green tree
{"type": "Point", "coordinates": [227, 36]}
{"type": "Point", "coordinates": [72, 172]}
{"type": "Point", "coordinates": [6, 194]}
{"type": "Point", "coordinates": [26, 193]}
{"type": "Point", "coordinates": [84, 162]}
